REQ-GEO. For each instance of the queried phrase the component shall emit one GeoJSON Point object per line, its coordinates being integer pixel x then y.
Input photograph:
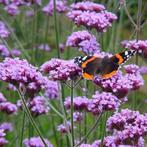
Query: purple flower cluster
{"type": "Point", "coordinates": [6, 106]}
{"type": "Point", "coordinates": [44, 47]}
{"type": "Point", "coordinates": [100, 102]}
{"type": "Point", "coordinates": [21, 73]}
{"type": "Point", "coordinates": [6, 127]}
{"type": "Point", "coordinates": [143, 70]}
{"type": "Point", "coordinates": [128, 126]}
{"type": "Point", "coordinates": [12, 6]}
{"type": "Point", "coordinates": [104, 101]}
{"type": "Point", "coordinates": [85, 41]}
{"type": "Point", "coordinates": [3, 141]}
{"type": "Point", "coordinates": [36, 142]}
{"type": "Point", "coordinates": [6, 53]}
{"type": "Point", "coordinates": [59, 69]}
{"type": "Point", "coordinates": [38, 106]}
{"type": "Point", "coordinates": [91, 15]}
{"type": "Point", "coordinates": [135, 45]}
{"type": "Point", "coordinates": [64, 128]}
{"type": "Point", "coordinates": [121, 84]}
{"type": "Point", "coordinates": [4, 33]}
{"type": "Point", "coordinates": [79, 103]}
{"type": "Point", "coordinates": [60, 7]}
{"type": "Point", "coordinates": [87, 6]}
{"type": "Point", "coordinates": [77, 116]}
{"type": "Point", "coordinates": [51, 90]}
{"type": "Point", "coordinates": [140, 46]}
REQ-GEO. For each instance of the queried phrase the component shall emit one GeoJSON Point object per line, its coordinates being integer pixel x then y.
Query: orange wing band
{"type": "Point", "coordinates": [106, 76]}
{"type": "Point", "coordinates": [85, 63]}
{"type": "Point", "coordinates": [119, 57]}
{"type": "Point", "coordinates": [87, 76]}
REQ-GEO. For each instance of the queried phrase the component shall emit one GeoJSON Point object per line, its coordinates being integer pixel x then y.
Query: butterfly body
{"type": "Point", "coordinates": [106, 67]}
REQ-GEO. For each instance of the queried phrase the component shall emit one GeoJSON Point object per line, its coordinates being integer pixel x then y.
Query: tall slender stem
{"type": "Point", "coordinates": [85, 114]}
{"type": "Point", "coordinates": [56, 30]}
{"type": "Point", "coordinates": [138, 27]}
{"type": "Point", "coordinates": [22, 129]}
{"type": "Point", "coordinates": [72, 111]}
{"type": "Point", "coordinates": [104, 128]}
{"type": "Point", "coordinates": [90, 130]}
{"type": "Point", "coordinates": [30, 116]}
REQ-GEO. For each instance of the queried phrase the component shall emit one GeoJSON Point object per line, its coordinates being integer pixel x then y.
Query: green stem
{"type": "Point", "coordinates": [54, 129]}
{"type": "Point", "coordinates": [104, 128]}
{"type": "Point", "coordinates": [85, 114]}
{"type": "Point", "coordinates": [72, 111]}
{"type": "Point", "coordinates": [22, 129]}
{"type": "Point", "coordinates": [56, 30]}
{"type": "Point", "coordinates": [30, 116]}
{"type": "Point", "coordinates": [89, 131]}
{"type": "Point", "coordinates": [138, 27]}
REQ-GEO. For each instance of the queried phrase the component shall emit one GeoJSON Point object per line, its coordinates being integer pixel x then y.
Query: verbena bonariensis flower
{"type": "Point", "coordinates": [121, 84]}
{"type": "Point", "coordinates": [36, 142]}
{"type": "Point", "coordinates": [140, 46]}
{"type": "Point", "coordinates": [4, 33]}
{"type": "Point", "coordinates": [2, 98]}
{"type": "Point", "coordinates": [79, 103]}
{"type": "Point", "coordinates": [11, 87]}
{"type": "Point", "coordinates": [3, 141]}
{"type": "Point", "coordinates": [85, 41]}
{"type": "Point", "coordinates": [77, 116]}
{"type": "Point", "coordinates": [100, 21]}
{"type": "Point", "coordinates": [12, 9]}
{"type": "Point", "coordinates": [61, 7]}
{"type": "Point", "coordinates": [143, 70]}
{"type": "Point", "coordinates": [44, 47]}
{"type": "Point", "coordinates": [6, 127]}
{"type": "Point", "coordinates": [128, 126]}
{"type": "Point", "coordinates": [20, 72]}
{"type": "Point", "coordinates": [87, 6]}
{"type": "Point", "coordinates": [125, 118]}
{"type": "Point", "coordinates": [38, 106]}
{"type": "Point", "coordinates": [135, 45]}
{"type": "Point", "coordinates": [15, 52]}
{"type": "Point", "coordinates": [8, 107]}
{"type": "Point", "coordinates": [104, 101]}
{"type": "Point", "coordinates": [51, 90]}
{"type": "Point", "coordinates": [4, 51]}
{"type": "Point", "coordinates": [64, 128]}
{"type": "Point", "coordinates": [59, 69]}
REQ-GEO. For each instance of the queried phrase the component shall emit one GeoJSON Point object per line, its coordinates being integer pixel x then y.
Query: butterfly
{"type": "Point", "coordinates": [106, 67]}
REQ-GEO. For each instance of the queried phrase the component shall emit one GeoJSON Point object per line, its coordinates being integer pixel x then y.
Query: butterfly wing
{"type": "Point", "coordinates": [90, 67]}
{"type": "Point", "coordinates": [111, 65]}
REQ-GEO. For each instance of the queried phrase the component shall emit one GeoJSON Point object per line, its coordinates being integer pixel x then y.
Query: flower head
{"type": "Point", "coordinates": [36, 142]}
{"type": "Point", "coordinates": [104, 101]}
{"type": "Point", "coordinates": [38, 106]}
{"type": "Point", "coordinates": [12, 9]}
{"type": "Point", "coordinates": [60, 7]}
{"type": "Point", "coordinates": [21, 73]}
{"type": "Point", "coordinates": [85, 41]}
{"type": "Point", "coordinates": [4, 33]}
{"type": "Point", "coordinates": [100, 21]}
{"type": "Point", "coordinates": [59, 69]}
{"type": "Point", "coordinates": [87, 6]}
{"type": "Point", "coordinates": [44, 47]}
{"type": "Point", "coordinates": [79, 103]}
{"type": "Point", "coordinates": [8, 107]}
{"type": "Point", "coordinates": [4, 51]}
{"type": "Point", "coordinates": [64, 128]}
{"type": "Point", "coordinates": [6, 126]}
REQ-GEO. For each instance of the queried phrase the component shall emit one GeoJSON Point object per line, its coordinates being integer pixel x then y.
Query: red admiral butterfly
{"type": "Point", "coordinates": [106, 67]}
